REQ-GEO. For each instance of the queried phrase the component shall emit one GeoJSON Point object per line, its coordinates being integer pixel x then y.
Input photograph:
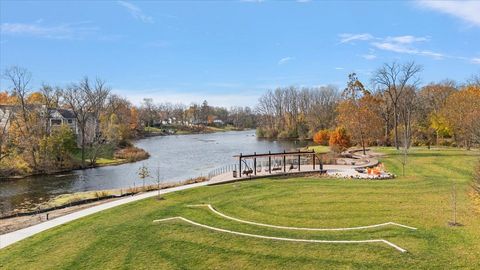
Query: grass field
{"type": "Point", "coordinates": [125, 237]}
{"type": "Point", "coordinates": [319, 149]}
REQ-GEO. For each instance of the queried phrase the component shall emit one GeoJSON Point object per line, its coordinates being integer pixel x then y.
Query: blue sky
{"type": "Point", "coordinates": [230, 52]}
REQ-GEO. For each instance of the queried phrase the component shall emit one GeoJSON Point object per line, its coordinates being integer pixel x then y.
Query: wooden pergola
{"type": "Point", "coordinates": [284, 155]}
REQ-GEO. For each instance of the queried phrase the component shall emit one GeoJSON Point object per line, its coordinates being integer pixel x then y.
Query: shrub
{"type": "Point", "coordinates": [131, 154]}
{"type": "Point", "coordinates": [260, 132]}
{"type": "Point", "coordinates": [266, 133]}
{"type": "Point", "coordinates": [322, 137]}
{"type": "Point", "coordinates": [288, 134]}
{"type": "Point", "coordinates": [339, 140]}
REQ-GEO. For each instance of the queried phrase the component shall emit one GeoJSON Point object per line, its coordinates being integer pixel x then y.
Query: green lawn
{"type": "Point", "coordinates": [105, 156]}
{"type": "Point", "coordinates": [125, 237]}
{"type": "Point", "coordinates": [319, 149]}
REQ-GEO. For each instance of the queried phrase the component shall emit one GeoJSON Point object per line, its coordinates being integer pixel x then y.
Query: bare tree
{"type": "Point", "coordinates": [385, 111]}
{"type": "Point", "coordinates": [158, 179]}
{"type": "Point", "coordinates": [148, 111]}
{"type": "Point", "coordinates": [474, 80]}
{"type": "Point", "coordinates": [393, 79]}
{"type": "Point", "coordinates": [87, 101]}
{"type": "Point", "coordinates": [295, 112]}
{"type": "Point", "coordinates": [5, 118]}
{"type": "Point", "coordinates": [407, 106]}
{"type": "Point", "coordinates": [20, 79]}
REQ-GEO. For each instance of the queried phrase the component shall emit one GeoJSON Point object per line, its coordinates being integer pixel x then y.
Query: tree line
{"type": "Point", "coordinates": [395, 111]}
{"type": "Point", "coordinates": [157, 114]}
{"type": "Point", "coordinates": [101, 123]}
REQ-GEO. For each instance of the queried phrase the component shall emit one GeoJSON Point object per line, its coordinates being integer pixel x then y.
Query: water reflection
{"type": "Point", "coordinates": [178, 157]}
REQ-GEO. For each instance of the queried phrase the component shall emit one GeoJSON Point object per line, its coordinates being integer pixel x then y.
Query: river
{"type": "Point", "coordinates": [179, 158]}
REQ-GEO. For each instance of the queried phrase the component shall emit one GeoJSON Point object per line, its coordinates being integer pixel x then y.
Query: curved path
{"type": "Point", "coordinates": [13, 237]}
{"type": "Point", "coordinates": [300, 228]}
{"type": "Point", "coordinates": [283, 238]}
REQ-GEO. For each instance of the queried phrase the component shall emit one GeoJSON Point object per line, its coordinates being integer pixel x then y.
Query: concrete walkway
{"type": "Point", "coordinates": [13, 237]}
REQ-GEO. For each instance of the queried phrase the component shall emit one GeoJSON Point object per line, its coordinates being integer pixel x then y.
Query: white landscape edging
{"type": "Point", "coordinates": [300, 228]}
{"type": "Point", "coordinates": [283, 238]}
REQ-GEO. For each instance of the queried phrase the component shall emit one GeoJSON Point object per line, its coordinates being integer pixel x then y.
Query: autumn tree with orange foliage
{"type": "Point", "coordinates": [322, 137]}
{"type": "Point", "coordinates": [339, 140]}
{"type": "Point", "coordinates": [462, 112]}
{"type": "Point", "coordinates": [361, 121]}
{"type": "Point", "coordinates": [359, 113]}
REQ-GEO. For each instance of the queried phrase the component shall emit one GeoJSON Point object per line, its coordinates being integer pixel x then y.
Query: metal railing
{"type": "Point", "coordinates": [263, 164]}
{"type": "Point", "coordinates": [221, 170]}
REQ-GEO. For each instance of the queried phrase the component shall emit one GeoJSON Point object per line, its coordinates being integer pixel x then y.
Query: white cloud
{"type": "Point", "coordinates": [63, 31]}
{"type": "Point", "coordinates": [394, 47]}
{"type": "Point", "coordinates": [399, 44]}
{"type": "Point", "coordinates": [404, 48]}
{"type": "Point", "coordinates": [339, 68]}
{"type": "Point", "coordinates": [285, 60]}
{"type": "Point", "coordinates": [369, 56]}
{"type": "Point", "coordinates": [468, 11]}
{"type": "Point", "coordinates": [136, 12]}
{"type": "Point", "coordinates": [476, 60]}
{"type": "Point", "coordinates": [406, 39]}
{"type": "Point", "coordinates": [346, 38]}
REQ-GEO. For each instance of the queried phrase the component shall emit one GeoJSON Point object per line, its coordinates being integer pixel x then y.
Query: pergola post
{"type": "Point", "coordinates": [299, 161]}
{"type": "Point", "coordinates": [269, 162]}
{"type": "Point", "coordinates": [240, 166]}
{"type": "Point", "coordinates": [255, 164]}
{"type": "Point", "coordinates": [313, 156]}
{"type": "Point", "coordinates": [321, 163]}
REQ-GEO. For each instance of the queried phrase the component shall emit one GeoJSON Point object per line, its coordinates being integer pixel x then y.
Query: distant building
{"type": "Point", "coordinates": [58, 117]}
{"type": "Point", "coordinates": [218, 122]}
{"type": "Point", "coordinates": [54, 118]}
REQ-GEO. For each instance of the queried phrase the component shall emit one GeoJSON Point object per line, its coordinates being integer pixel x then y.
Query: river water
{"type": "Point", "coordinates": [178, 157]}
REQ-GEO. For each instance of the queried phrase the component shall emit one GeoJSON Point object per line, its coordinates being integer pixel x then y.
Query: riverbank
{"type": "Point", "coordinates": [177, 157]}
{"type": "Point", "coordinates": [185, 130]}
{"type": "Point", "coordinates": [69, 203]}
{"type": "Point", "coordinates": [112, 157]}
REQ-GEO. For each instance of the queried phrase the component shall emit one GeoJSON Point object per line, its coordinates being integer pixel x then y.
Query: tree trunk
{"type": "Point", "coordinates": [83, 147]}
{"type": "Point", "coordinates": [387, 133]}
{"type": "Point", "coordinates": [395, 126]}
{"type": "Point", "coordinates": [363, 144]}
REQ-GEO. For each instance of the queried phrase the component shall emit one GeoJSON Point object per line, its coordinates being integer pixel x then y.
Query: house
{"type": "Point", "coordinates": [169, 121]}
{"type": "Point", "coordinates": [218, 122]}
{"type": "Point", "coordinates": [58, 117]}
{"type": "Point", "coordinates": [53, 118]}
